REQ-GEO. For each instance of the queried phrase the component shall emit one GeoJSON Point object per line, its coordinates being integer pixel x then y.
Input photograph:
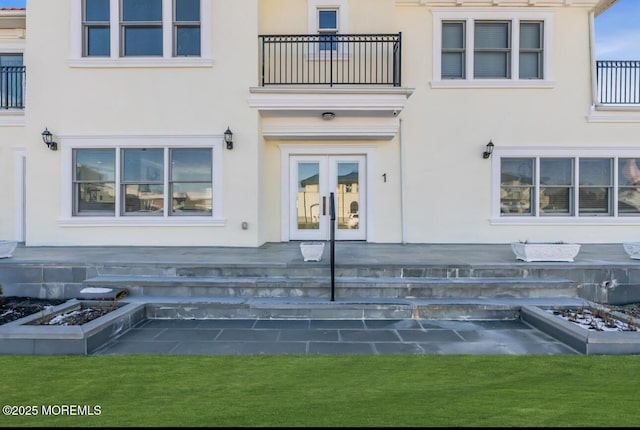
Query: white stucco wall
{"type": "Point", "coordinates": [434, 165]}
{"type": "Point", "coordinates": [449, 191]}
{"type": "Point", "coordinates": [74, 100]}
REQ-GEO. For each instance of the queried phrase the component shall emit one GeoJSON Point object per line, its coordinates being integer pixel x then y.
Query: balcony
{"type": "Point", "coordinates": [331, 60]}
{"type": "Point", "coordinates": [12, 84]}
{"type": "Point", "coordinates": [618, 82]}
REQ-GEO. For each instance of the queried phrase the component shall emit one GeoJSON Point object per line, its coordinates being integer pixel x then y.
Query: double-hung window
{"type": "Point", "coordinates": [492, 50]}
{"type": "Point", "coordinates": [141, 28]}
{"type": "Point", "coordinates": [96, 28]}
{"type": "Point", "coordinates": [110, 31]}
{"type": "Point", "coordinates": [586, 186]}
{"type": "Point", "coordinates": [186, 28]}
{"type": "Point", "coordinates": [453, 50]}
{"type": "Point", "coordinates": [485, 48]}
{"type": "Point", "coordinates": [327, 28]}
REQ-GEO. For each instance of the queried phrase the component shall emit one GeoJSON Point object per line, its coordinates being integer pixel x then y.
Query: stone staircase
{"type": "Point", "coordinates": [349, 283]}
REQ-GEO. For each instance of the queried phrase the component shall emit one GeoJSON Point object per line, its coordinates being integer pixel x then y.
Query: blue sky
{"type": "Point", "coordinates": [617, 30]}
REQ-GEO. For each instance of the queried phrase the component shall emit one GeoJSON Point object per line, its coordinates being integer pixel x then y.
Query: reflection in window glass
{"type": "Point", "coordinates": [556, 186]}
{"type": "Point", "coordinates": [516, 185]}
{"type": "Point", "coordinates": [628, 186]}
{"type": "Point", "coordinates": [348, 195]}
{"type": "Point", "coordinates": [595, 186]}
{"type": "Point", "coordinates": [143, 188]}
{"type": "Point", "coordinates": [308, 202]}
{"type": "Point", "coordinates": [94, 181]}
{"type": "Point", "coordinates": [143, 181]}
{"type": "Point", "coordinates": [191, 176]}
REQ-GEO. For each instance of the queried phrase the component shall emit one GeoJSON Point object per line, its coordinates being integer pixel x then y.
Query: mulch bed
{"type": "Point", "coordinates": [13, 308]}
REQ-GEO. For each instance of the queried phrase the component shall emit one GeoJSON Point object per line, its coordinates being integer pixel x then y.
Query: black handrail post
{"type": "Point", "coordinates": [332, 209]}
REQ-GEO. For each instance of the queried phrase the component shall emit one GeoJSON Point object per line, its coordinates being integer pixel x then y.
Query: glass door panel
{"type": "Point", "coordinates": [308, 196]}
{"type": "Point", "coordinates": [314, 178]}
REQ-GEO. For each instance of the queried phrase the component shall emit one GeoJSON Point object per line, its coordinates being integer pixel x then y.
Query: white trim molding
{"type": "Point", "coordinates": [330, 130]}
{"type": "Point", "coordinates": [614, 113]}
{"type": "Point", "coordinates": [339, 99]}
{"type": "Point", "coordinates": [12, 118]}
{"type": "Point", "coordinates": [599, 5]}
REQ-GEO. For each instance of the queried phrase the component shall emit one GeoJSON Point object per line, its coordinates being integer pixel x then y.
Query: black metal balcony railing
{"type": "Point", "coordinates": [331, 59]}
{"type": "Point", "coordinates": [618, 82]}
{"type": "Point", "coordinates": [12, 80]}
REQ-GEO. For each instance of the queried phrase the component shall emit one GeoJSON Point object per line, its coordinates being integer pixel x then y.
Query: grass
{"type": "Point", "coordinates": [326, 391]}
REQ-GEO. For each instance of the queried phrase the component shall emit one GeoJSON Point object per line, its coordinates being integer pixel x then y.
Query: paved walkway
{"type": "Point", "coordinates": [346, 253]}
{"type": "Point", "coordinates": [310, 337]}
{"type": "Point", "coordinates": [338, 336]}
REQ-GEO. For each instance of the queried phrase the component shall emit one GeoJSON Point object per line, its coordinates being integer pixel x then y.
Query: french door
{"type": "Point", "coordinates": [313, 179]}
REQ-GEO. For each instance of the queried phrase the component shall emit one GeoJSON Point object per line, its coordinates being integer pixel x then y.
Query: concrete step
{"type": "Point", "coordinates": [344, 287]}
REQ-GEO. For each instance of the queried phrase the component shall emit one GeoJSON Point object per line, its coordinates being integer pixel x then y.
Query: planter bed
{"type": "Point", "coordinates": [584, 340]}
{"type": "Point", "coordinates": [29, 336]}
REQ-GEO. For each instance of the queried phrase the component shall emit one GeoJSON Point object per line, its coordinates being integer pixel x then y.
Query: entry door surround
{"type": "Point", "coordinates": [288, 153]}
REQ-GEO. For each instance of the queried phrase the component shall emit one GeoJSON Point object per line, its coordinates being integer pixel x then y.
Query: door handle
{"type": "Point", "coordinates": [324, 205]}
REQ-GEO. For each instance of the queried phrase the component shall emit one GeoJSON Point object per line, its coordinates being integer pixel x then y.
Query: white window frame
{"type": "Point", "coordinates": [342, 10]}
{"type": "Point", "coordinates": [117, 142]}
{"type": "Point", "coordinates": [515, 16]}
{"type": "Point", "coordinates": [574, 219]}
{"type": "Point", "coordinates": [115, 60]}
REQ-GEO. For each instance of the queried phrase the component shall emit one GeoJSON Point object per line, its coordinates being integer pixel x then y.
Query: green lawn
{"type": "Point", "coordinates": [325, 391]}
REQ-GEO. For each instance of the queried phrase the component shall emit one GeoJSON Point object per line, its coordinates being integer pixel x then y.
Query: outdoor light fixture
{"type": "Point", "coordinates": [487, 153]}
{"type": "Point", "coordinates": [328, 115]}
{"type": "Point", "coordinates": [228, 138]}
{"type": "Point", "coordinates": [47, 138]}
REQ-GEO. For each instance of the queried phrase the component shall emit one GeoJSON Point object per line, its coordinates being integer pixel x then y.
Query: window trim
{"type": "Point", "coordinates": [167, 59]}
{"type": "Point", "coordinates": [313, 23]}
{"type": "Point", "coordinates": [117, 142]}
{"type": "Point", "coordinates": [576, 154]}
{"type": "Point", "coordinates": [514, 16]}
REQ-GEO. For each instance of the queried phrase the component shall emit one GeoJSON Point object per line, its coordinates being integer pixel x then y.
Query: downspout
{"type": "Point", "coordinates": [594, 72]}
{"type": "Point", "coordinates": [402, 182]}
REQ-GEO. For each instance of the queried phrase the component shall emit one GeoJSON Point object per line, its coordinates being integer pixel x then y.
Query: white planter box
{"type": "Point", "coordinates": [312, 251]}
{"type": "Point", "coordinates": [633, 249]}
{"type": "Point", "coordinates": [7, 247]}
{"type": "Point", "coordinates": [545, 251]}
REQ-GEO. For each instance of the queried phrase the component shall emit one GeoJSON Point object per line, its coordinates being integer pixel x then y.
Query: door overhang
{"type": "Point", "coordinates": [334, 114]}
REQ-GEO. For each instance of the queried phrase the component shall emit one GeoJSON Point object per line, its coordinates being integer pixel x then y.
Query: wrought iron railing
{"type": "Point", "coordinates": [331, 59]}
{"type": "Point", "coordinates": [618, 82]}
{"type": "Point", "coordinates": [12, 80]}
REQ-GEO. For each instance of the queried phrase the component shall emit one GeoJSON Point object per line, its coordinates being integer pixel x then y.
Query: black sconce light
{"type": "Point", "coordinates": [228, 138]}
{"type": "Point", "coordinates": [487, 153]}
{"type": "Point", "coordinates": [47, 138]}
